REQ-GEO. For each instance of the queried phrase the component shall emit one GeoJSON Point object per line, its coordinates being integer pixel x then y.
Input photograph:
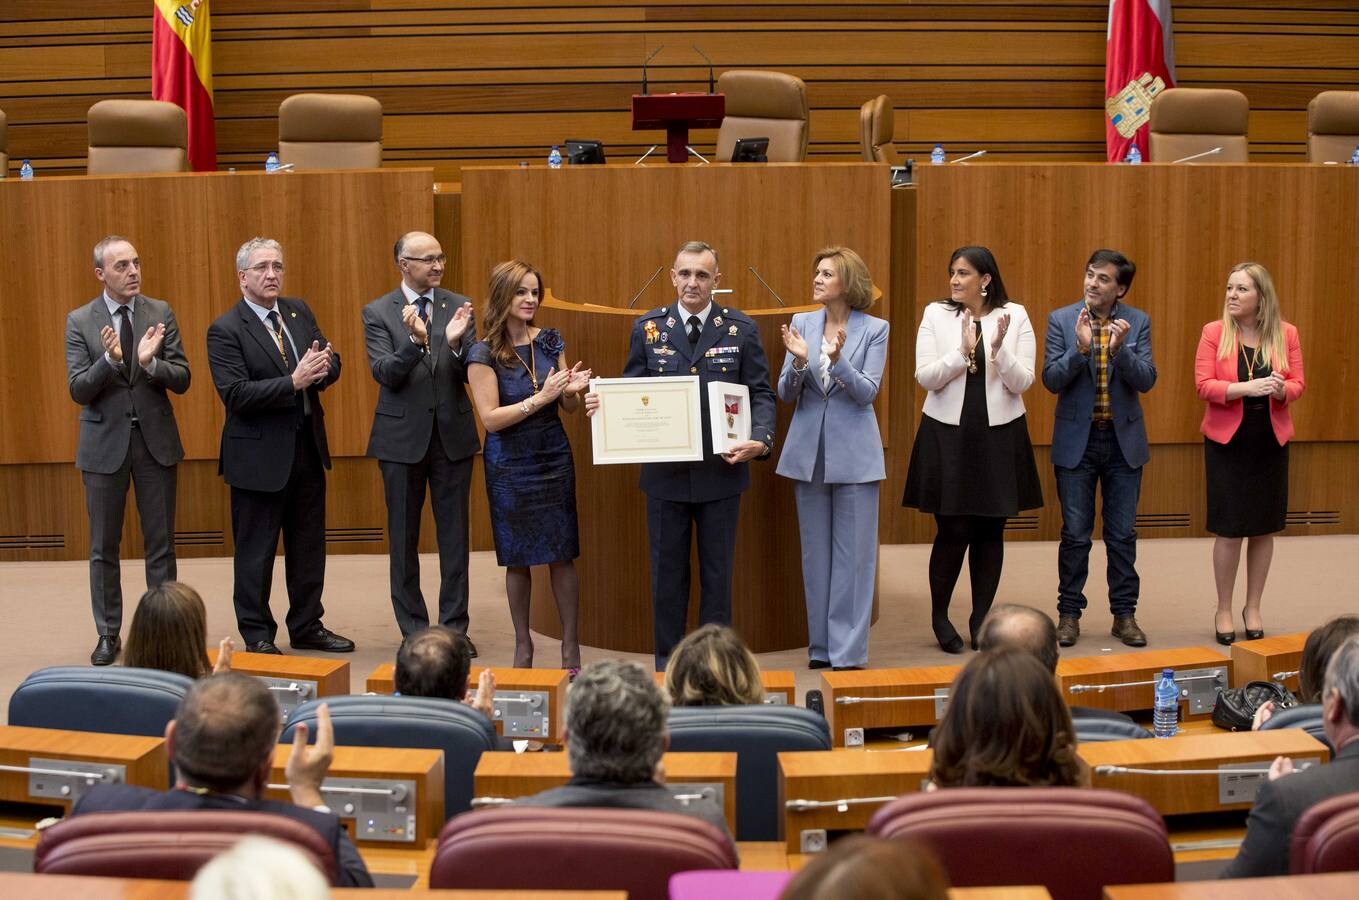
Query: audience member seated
{"type": "Point", "coordinates": [435, 662]}
{"type": "Point", "coordinates": [1032, 630]}
{"type": "Point", "coordinates": [1317, 651]}
{"type": "Point", "coordinates": [221, 742]}
{"type": "Point", "coordinates": [1288, 794]}
{"type": "Point", "coordinates": [615, 737]}
{"type": "Point", "coordinates": [712, 666]}
{"type": "Point", "coordinates": [170, 631]}
{"type": "Point", "coordinates": [259, 868]}
{"type": "Point", "coordinates": [869, 868]}
{"type": "Point", "coordinates": [1006, 726]}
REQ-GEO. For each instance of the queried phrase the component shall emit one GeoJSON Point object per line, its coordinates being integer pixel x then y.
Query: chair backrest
{"type": "Point", "coordinates": [109, 699]}
{"type": "Point", "coordinates": [1098, 728]}
{"type": "Point", "coordinates": [998, 836]}
{"type": "Point", "coordinates": [589, 849]}
{"type": "Point", "coordinates": [330, 131]}
{"type": "Point", "coordinates": [875, 131]}
{"type": "Point", "coordinates": [170, 845]}
{"type": "Point", "coordinates": [4, 144]}
{"type": "Point", "coordinates": [1185, 121]}
{"type": "Point", "coordinates": [455, 728]}
{"type": "Point", "coordinates": [757, 735]}
{"type": "Point", "coordinates": [1332, 126]}
{"type": "Point", "coordinates": [764, 104]}
{"type": "Point", "coordinates": [137, 136]}
{"type": "Point", "coordinates": [1326, 837]}
{"type": "Point", "coordinates": [1306, 716]}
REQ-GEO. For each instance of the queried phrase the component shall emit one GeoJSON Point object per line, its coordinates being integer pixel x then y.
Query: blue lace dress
{"type": "Point", "coordinates": [530, 476]}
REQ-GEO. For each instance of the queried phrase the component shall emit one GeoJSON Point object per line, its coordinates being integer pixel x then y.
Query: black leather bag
{"type": "Point", "coordinates": [1235, 708]}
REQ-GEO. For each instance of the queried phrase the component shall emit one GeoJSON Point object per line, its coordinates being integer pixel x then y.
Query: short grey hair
{"type": "Point", "coordinates": [615, 721]}
{"type": "Point", "coordinates": [1342, 676]}
{"type": "Point", "coordinates": [699, 247]}
{"type": "Point", "coordinates": [250, 246]}
{"type": "Point", "coordinates": [103, 245]}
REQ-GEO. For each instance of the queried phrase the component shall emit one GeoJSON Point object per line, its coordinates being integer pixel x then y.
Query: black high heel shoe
{"type": "Point", "coordinates": [1252, 634]}
{"type": "Point", "coordinates": [1225, 638]}
{"type": "Point", "coordinates": [949, 641]}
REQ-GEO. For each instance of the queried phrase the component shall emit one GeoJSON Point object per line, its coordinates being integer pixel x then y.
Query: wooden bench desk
{"type": "Point", "coordinates": [143, 762]}
{"type": "Point", "coordinates": [552, 682]}
{"type": "Point", "coordinates": [839, 790]}
{"type": "Point", "coordinates": [1126, 681]}
{"type": "Point", "coordinates": [292, 679]}
{"type": "Point", "coordinates": [884, 698]}
{"type": "Point", "coordinates": [1262, 660]}
{"type": "Point", "coordinates": [27, 886]}
{"type": "Point", "coordinates": [1333, 886]}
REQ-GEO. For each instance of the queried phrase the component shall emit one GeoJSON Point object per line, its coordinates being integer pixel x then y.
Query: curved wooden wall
{"type": "Point", "coordinates": [495, 83]}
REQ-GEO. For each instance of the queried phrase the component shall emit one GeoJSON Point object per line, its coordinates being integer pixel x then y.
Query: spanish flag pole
{"type": "Point", "coordinates": [181, 71]}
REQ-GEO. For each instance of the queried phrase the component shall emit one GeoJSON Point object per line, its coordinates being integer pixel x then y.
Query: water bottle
{"type": "Point", "coordinates": [26, 171]}
{"type": "Point", "coordinates": [554, 159]}
{"type": "Point", "coordinates": [271, 161]}
{"type": "Point", "coordinates": [1134, 157]}
{"type": "Point", "coordinates": [1354, 157]}
{"type": "Point", "coordinates": [937, 155]}
{"type": "Point", "coordinates": [1166, 715]}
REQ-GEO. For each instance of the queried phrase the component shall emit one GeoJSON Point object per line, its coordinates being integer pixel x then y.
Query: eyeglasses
{"type": "Point", "coordinates": [427, 260]}
{"type": "Point", "coordinates": [261, 268]}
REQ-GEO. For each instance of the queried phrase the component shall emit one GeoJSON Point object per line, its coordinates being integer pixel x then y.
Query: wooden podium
{"type": "Point", "coordinates": [677, 113]}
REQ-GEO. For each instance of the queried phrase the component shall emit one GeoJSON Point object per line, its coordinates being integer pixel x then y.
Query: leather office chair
{"type": "Point", "coordinates": [1332, 126]}
{"type": "Point", "coordinates": [1185, 121]}
{"type": "Point", "coordinates": [537, 848]}
{"type": "Point", "coordinates": [1326, 837]}
{"type": "Point", "coordinates": [1096, 729]}
{"type": "Point", "coordinates": [1073, 841]}
{"type": "Point", "coordinates": [756, 734]}
{"type": "Point", "coordinates": [875, 131]}
{"type": "Point", "coordinates": [4, 144]}
{"type": "Point", "coordinates": [1306, 716]}
{"type": "Point", "coordinates": [112, 699]}
{"type": "Point", "coordinates": [422, 722]}
{"type": "Point", "coordinates": [137, 136]}
{"type": "Point", "coordinates": [330, 131]}
{"type": "Point", "coordinates": [170, 845]}
{"type": "Point", "coordinates": [764, 104]}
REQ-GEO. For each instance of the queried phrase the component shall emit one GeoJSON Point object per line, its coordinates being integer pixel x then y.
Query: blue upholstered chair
{"type": "Point", "coordinates": [1306, 716]}
{"type": "Point", "coordinates": [108, 699]}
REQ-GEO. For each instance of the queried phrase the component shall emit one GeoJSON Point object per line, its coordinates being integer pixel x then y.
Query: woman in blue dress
{"type": "Point", "coordinates": [519, 379]}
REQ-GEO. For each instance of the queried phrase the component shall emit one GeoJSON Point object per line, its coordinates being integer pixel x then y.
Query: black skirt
{"type": "Point", "coordinates": [1247, 477]}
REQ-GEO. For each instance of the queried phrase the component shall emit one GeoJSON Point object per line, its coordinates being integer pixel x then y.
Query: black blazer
{"type": "Point", "coordinates": [351, 872]}
{"type": "Point", "coordinates": [417, 390]}
{"type": "Point", "coordinates": [263, 412]}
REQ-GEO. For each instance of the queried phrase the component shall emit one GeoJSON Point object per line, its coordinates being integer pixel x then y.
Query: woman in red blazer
{"type": "Point", "coordinates": [1249, 371]}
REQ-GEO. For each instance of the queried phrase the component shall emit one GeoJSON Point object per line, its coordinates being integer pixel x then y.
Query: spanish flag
{"type": "Point", "coordinates": [181, 71]}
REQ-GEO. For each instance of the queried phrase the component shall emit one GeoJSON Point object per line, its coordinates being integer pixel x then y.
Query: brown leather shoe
{"type": "Point", "coordinates": [1068, 630]}
{"type": "Point", "coordinates": [1126, 630]}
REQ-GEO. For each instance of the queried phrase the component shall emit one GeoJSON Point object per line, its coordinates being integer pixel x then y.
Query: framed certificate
{"type": "Point", "coordinates": [728, 414]}
{"type": "Point", "coordinates": [642, 420]}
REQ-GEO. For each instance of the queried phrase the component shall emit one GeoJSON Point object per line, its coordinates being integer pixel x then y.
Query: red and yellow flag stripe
{"type": "Point", "coordinates": [181, 71]}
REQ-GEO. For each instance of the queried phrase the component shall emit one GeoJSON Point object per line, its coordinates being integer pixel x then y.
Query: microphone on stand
{"type": "Point", "coordinates": [963, 159]}
{"type": "Point", "coordinates": [1212, 152]}
{"type": "Point", "coordinates": [659, 270]}
{"type": "Point", "coordinates": [712, 85]}
{"type": "Point", "coordinates": [644, 65]}
{"type": "Point", "coordinates": [766, 285]}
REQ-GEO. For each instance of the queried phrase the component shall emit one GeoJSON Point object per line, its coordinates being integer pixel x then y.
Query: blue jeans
{"type": "Point", "coordinates": [1120, 485]}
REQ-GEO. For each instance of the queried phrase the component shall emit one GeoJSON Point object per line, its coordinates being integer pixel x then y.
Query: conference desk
{"type": "Point", "coordinates": [1332, 886]}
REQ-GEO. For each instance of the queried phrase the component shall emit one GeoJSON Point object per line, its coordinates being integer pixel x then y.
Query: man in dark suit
{"type": "Point", "coordinates": [696, 337]}
{"type": "Point", "coordinates": [1097, 360]}
{"type": "Point", "coordinates": [221, 742]}
{"type": "Point", "coordinates": [270, 362]}
{"type": "Point", "coordinates": [423, 431]}
{"type": "Point", "coordinates": [123, 354]}
{"type": "Point", "coordinates": [1287, 795]}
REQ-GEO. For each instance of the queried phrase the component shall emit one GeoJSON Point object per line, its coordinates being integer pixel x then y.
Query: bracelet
{"type": "Point", "coordinates": [524, 408]}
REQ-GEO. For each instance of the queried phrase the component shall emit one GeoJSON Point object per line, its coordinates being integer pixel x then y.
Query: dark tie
{"type": "Point", "coordinates": [424, 308]}
{"type": "Point", "coordinates": [284, 350]}
{"type": "Point", "coordinates": [694, 329]}
{"type": "Point", "coordinates": [125, 338]}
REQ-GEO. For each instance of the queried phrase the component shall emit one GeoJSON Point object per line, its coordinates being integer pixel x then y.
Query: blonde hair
{"type": "Point", "coordinates": [505, 280]}
{"type": "Point", "coordinates": [853, 272]}
{"type": "Point", "coordinates": [1266, 315]}
{"type": "Point", "coordinates": [260, 868]}
{"type": "Point", "coordinates": [713, 667]}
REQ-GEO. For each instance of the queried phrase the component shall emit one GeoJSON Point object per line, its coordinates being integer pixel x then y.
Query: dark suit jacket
{"type": "Point", "coordinates": [418, 390]}
{"type": "Point", "coordinates": [262, 409]}
{"type": "Point", "coordinates": [351, 872]}
{"type": "Point", "coordinates": [728, 349]}
{"type": "Point", "coordinates": [111, 397]}
{"type": "Point", "coordinates": [1280, 804]}
{"type": "Point", "coordinates": [589, 792]}
{"type": "Point", "coordinates": [1071, 376]}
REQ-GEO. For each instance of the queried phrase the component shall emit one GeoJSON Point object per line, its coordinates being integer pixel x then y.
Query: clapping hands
{"type": "Point", "coordinates": [794, 343]}
{"type": "Point", "coordinates": [313, 367]}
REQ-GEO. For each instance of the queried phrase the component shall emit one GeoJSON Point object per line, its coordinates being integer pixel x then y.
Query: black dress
{"type": "Point", "coordinates": [973, 468]}
{"type": "Point", "coordinates": [1247, 477]}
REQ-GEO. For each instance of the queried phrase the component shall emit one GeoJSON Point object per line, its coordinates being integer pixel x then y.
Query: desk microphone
{"type": "Point", "coordinates": [659, 270]}
{"type": "Point", "coordinates": [644, 65]}
{"type": "Point", "coordinates": [963, 159]}
{"type": "Point", "coordinates": [1213, 152]}
{"type": "Point", "coordinates": [766, 285]}
{"type": "Point", "coordinates": [1131, 770]}
{"type": "Point", "coordinates": [712, 85]}
{"type": "Point", "coordinates": [282, 167]}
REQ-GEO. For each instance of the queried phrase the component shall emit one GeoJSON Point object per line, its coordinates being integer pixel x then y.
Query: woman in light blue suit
{"type": "Point", "coordinates": [833, 453]}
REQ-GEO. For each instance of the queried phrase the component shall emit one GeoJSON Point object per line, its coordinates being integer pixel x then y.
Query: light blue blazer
{"type": "Point", "coordinates": [844, 413]}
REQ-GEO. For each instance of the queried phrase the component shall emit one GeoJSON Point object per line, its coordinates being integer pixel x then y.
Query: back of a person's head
{"type": "Point", "coordinates": [1023, 628]}
{"type": "Point", "coordinates": [1317, 651]}
{"type": "Point", "coordinates": [225, 727]}
{"type": "Point", "coordinates": [869, 868]}
{"type": "Point", "coordinates": [260, 868]}
{"type": "Point", "coordinates": [1005, 724]}
{"type": "Point", "coordinates": [433, 662]}
{"type": "Point", "coordinates": [615, 722]}
{"type": "Point", "coordinates": [1342, 677]}
{"type": "Point", "coordinates": [712, 666]}
{"type": "Point", "coordinates": [169, 631]}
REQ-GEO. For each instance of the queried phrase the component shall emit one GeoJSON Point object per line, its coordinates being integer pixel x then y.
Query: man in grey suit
{"type": "Point", "coordinates": [1287, 795]}
{"type": "Point", "coordinates": [123, 354]}
{"type": "Point", "coordinates": [423, 431]}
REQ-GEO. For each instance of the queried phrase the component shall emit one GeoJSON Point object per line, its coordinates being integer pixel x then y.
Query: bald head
{"type": "Point", "coordinates": [1023, 628]}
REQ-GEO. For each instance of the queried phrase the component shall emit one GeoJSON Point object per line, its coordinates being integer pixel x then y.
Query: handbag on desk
{"type": "Point", "coordinates": [1235, 708]}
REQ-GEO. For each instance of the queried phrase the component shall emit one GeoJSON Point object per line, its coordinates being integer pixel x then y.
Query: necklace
{"type": "Point", "coordinates": [531, 365]}
{"type": "Point", "coordinates": [972, 354]}
{"type": "Point", "coordinates": [1252, 359]}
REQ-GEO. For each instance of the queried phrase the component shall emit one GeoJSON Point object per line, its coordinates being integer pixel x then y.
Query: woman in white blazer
{"type": "Point", "coordinates": [972, 464]}
{"type": "Point", "coordinates": [833, 454]}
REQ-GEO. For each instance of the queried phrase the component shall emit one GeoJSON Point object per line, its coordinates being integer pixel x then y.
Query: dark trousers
{"type": "Point", "coordinates": [1120, 484]}
{"type": "Point", "coordinates": [298, 512]}
{"type": "Point", "coordinates": [105, 500]}
{"type": "Point", "coordinates": [670, 526]}
{"type": "Point", "coordinates": [404, 487]}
